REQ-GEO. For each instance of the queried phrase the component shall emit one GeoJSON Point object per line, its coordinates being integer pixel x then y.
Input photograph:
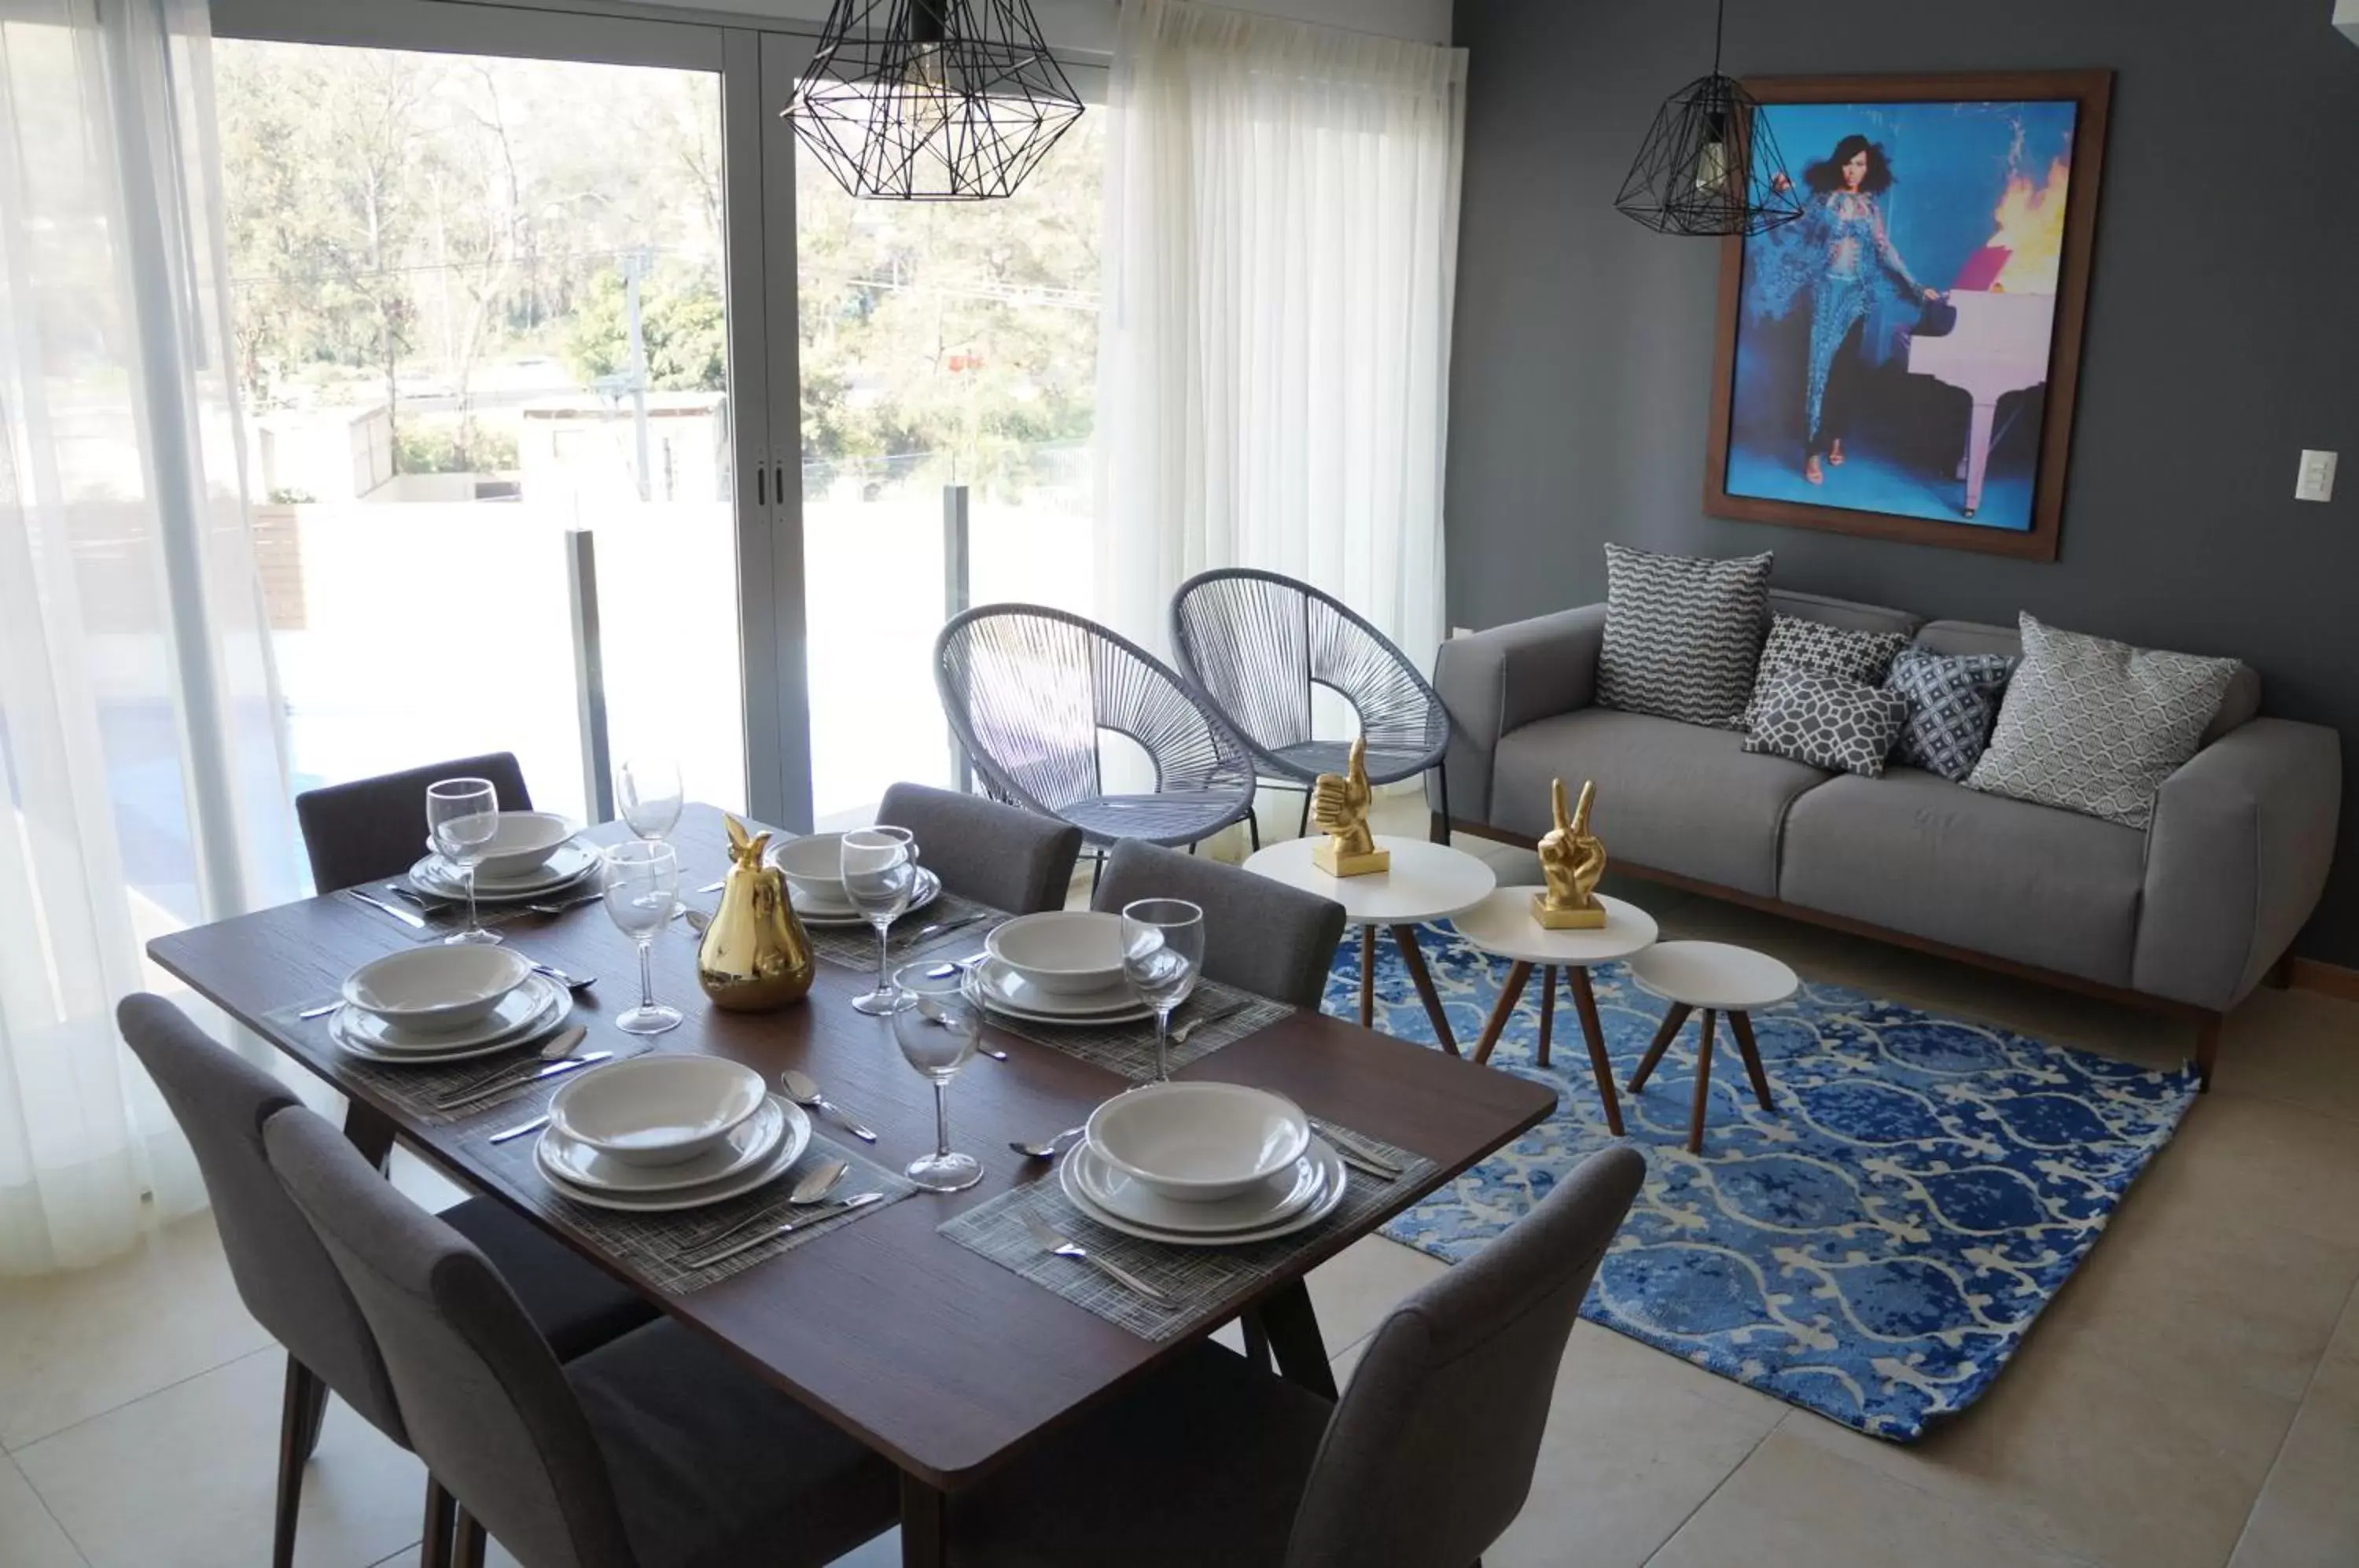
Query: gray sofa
{"type": "Point", "coordinates": [2185, 917]}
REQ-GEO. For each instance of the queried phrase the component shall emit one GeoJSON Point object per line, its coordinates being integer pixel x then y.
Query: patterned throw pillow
{"type": "Point", "coordinates": [2096, 727]}
{"type": "Point", "coordinates": [1681, 634]}
{"type": "Point", "coordinates": [1827, 722]}
{"type": "Point", "coordinates": [1860, 658]}
{"type": "Point", "coordinates": [1953, 698]}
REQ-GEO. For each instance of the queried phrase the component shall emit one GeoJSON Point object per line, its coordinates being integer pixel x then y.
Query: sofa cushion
{"type": "Point", "coordinates": [2096, 725]}
{"type": "Point", "coordinates": [1952, 701]}
{"type": "Point", "coordinates": [1682, 635]}
{"type": "Point", "coordinates": [1677, 798]}
{"type": "Point", "coordinates": [1848, 614]}
{"type": "Point", "coordinates": [2238, 706]}
{"type": "Point", "coordinates": [1860, 658]}
{"type": "Point", "coordinates": [1916, 854]}
{"type": "Point", "coordinates": [1826, 721]}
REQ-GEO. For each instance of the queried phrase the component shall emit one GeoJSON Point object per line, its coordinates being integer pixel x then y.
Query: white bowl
{"type": "Point", "coordinates": [525, 842]}
{"type": "Point", "coordinates": [436, 989]}
{"type": "Point", "coordinates": [1198, 1142]}
{"type": "Point", "coordinates": [1067, 952]}
{"type": "Point", "coordinates": [813, 864]}
{"type": "Point", "coordinates": [656, 1110]}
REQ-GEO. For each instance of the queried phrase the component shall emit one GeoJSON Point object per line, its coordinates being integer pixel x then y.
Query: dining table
{"type": "Point", "coordinates": [944, 1362]}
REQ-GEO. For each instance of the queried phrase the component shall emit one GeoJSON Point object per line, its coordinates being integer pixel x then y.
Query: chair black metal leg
{"type": "Point", "coordinates": [1097, 869]}
{"type": "Point", "coordinates": [1303, 831]}
{"type": "Point", "coordinates": [1442, 818]}
{"type": "Point", "coordinates": [1253, 826]}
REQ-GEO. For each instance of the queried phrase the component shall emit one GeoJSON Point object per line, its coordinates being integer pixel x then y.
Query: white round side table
{"type": "Point", "coordinates": [1425, 882]}
{"type": "Point", "coordinates": [1718, 978]}
{"type": "Point", "coordinates": [1503, 925]}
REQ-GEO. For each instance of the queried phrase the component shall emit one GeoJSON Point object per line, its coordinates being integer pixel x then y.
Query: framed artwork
{"type": "Point", "coordinates": [1900, 361]}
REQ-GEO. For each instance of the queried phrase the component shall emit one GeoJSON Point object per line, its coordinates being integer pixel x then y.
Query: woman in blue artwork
{"type": "Point", "coordinates": [1841, 251]}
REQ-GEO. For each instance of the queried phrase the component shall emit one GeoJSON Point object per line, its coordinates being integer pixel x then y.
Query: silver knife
{"type": "Point", "coordinates": [1350, 1147]}
{"type": "Point", "coordinates": [1361, 1163]}
{"type": "Point", "coordinates": [408, 918]}
{"type": "Point", "coordinates": [506, 1134]}
{"type": "Point", "coordinates": [506, 1085]}
{"type": "Point", "coordinates": [800, 1222]}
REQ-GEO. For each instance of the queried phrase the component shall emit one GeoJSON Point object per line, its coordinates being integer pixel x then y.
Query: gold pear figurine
{"type": "Point", "coordinates": [1339, 805]}
{"type": "Point", "coordinates": [754, 955]}
{"type": "Point", "coordinates": [1573, 859]}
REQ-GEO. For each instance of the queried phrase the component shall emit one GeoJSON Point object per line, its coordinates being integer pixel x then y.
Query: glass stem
{"type": "Point", "coordinates": [942, 1120]}
{"type": "Point", "coordinates": [1162, 1032]}
{"type": "Point", "coordinates": [647, 972]}
{"type": "Point", "coordinates": [884, 960]}
{"type": "Point", "coordinates": [473, 923]}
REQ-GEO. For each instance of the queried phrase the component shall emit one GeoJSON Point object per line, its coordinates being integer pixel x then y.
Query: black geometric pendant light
{"type": "Point", "coordinates": [932, 100]}
{"type": "Point", "coordinates": [1709, 165]}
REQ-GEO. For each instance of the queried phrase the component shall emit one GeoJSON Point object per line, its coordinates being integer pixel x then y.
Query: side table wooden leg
{"type": "Point", "coordinates": [1413, 957]}
{"type": "Point", "coordinates": [1672, 1021]}
{"type": "Point", "coordinates": [1367, 976]}
{"type": "Point", "coordinates": [1703, 1088]}
{"type": "Point", "coordinates": [1741, 1026]}
{"type": "Point", "coordinates": [1547, 1011]}
{"type": "Point", "coordinates": [1511, 991]}
{"type": "Point", "coordinates": [1601, 1067]}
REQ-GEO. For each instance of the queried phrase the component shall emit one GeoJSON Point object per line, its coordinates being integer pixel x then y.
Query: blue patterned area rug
{"type": "Point", "coordinates": [1876, 1249]}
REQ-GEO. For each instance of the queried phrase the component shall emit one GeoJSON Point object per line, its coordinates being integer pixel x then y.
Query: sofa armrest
{"type": "Point", "coordinates": [1496, 680]}
{"type": "Point", "coordinates": [2242, 840]}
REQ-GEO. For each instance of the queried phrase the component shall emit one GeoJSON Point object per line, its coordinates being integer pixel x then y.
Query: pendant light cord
{"type": "Point", "coordinates": [1719, 25]}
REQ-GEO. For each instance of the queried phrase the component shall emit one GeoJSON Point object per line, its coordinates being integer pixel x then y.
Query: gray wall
{"type": "Point", "coordinates": [2223, 330]}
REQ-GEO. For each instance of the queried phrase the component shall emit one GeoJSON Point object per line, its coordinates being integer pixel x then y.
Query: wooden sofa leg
{"type": "Point", "coordinates": [2207, 1050]}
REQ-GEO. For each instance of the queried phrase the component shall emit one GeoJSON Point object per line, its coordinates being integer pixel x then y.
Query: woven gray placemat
{"type": "Point", "coordinates": [1198, 1279]}
{"type": "Point", "coordinates": [1128, 1048]}
{"type": "Point", "coordinates": [442, 922]}
{"type": "Point", "coordinates": [854, 947]}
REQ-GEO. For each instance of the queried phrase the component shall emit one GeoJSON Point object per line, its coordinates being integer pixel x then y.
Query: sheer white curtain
{"type": "Point", "coordinates": [1281, 244]}
{"type": "Point", "coordinates": [141, 769]}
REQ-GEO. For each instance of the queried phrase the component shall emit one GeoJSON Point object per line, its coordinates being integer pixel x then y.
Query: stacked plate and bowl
{"type": "Point", "coordinates": [1064, 967]}
{"type": "Point", "coordinates": [813, 867]}
{"type": "Point", "coordinates": [428, 1004]}
{"type": "Point", "coordinates": [1202, 1164]}
{"type": "Point", "coordinates": [534, 856]}
{"type": "Point", "coordinates": [659, 1134]}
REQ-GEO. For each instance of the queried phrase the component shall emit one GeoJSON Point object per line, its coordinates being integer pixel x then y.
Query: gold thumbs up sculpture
{"type": "Point", "coordinates": [1339, 805]}
{"type": "Point", "coordinates": [1573, 859]}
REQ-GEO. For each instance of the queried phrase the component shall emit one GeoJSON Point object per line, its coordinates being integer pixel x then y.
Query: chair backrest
{"type": "Point", "coordinates": [1254, 643]}
{"type": "Point", "coordinates": [1259, 935]}
{"type": "Point", "coordinates": [286, 1279]}
{"type": "Point", "coordinates": [1430, 1452]}
{"type": "Point", "coordinates": [1027, 689]}
{"type": "Point", "coordinates": [488, 1408]}
{"type": "Point", "coordinates": [374, 828]}
{"type": "Point", "coordinates": [1011, 859]}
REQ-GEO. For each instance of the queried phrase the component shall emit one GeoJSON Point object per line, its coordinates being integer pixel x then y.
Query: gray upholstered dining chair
{"type": "Point", "coordinates": [371, 829]}
{"type": "Point", "coordinates": [1423, 1463]}
{"type": "Point", "coordinates": [1254, 643]}
{"type": "Point", "coordinates": [1027, 689]}
{"type": "Point", "coordinates": [653, 1451]}
{"type": "Point", "coordinates": [1259, 935]}
{"type": "Point", "coordinates": [1011, 859]}
{"type": "Point", "coordinates": [287, 1281]}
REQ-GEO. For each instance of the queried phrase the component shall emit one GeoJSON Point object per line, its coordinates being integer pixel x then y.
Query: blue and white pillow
{"type": "Point", "coordinates": [1952, 701]}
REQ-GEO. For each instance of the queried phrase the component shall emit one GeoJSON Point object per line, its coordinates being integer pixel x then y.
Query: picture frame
{"type": "Point", "coordinates": [1832, 407]}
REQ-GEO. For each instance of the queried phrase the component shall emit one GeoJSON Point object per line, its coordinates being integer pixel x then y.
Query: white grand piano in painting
{"type": "Point", "coordinates": [2005, 301]}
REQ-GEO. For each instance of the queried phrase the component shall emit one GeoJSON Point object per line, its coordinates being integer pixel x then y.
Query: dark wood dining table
{"type": "Point", "coordinates": [937, 1358]}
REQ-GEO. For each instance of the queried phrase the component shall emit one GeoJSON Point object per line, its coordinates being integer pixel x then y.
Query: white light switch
{"type": "Point", "coordinates": [2316, 481]}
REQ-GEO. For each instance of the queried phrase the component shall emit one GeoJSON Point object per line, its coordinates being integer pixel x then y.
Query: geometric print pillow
{"type": "Point", "coordinates": [1951, 701]}
{"type": "Point", "coordinates": [2094, 725]}
{"type": "Point", "coordinates": [1827, 722]}
{"type": "Point", "coordinates": [1860, 658]}
{"type": "Point", "coordinates": [1682, 635]}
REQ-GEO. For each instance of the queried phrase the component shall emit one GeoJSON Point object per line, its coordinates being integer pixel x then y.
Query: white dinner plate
{"type": "Point", "coordinates": [1330, 1195]}
{"type": "Point", "coordinates": [1010, 993]}
{"type": "Point", "coordinates": [517, 1012]}
{"type": "Point", "coordinates": [755, 1141]}
{"type": "Point", "coordinates": [569, 864]}
{"type": "Point", "coordinates": [560, 1006]}
{"type": "Point", "coordinates": [827, 912]}
{"type": "Point", "coordinates": [673, 1202]}
{"type": "Point", "coordinates": [1282, 1197]}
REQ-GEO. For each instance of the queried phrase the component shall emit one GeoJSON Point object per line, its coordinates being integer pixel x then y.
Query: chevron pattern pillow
{"type": "Point", "coordinates": [1682, 635]}
{"type": "Point", "coordinates": [1860, 658]}
{"type": "Point", "coordinates": [1953, 698]}
{"type": "Point", "coordinates": [2096, 727]}
{"type": "Point", "coordinates": [1827, 722]}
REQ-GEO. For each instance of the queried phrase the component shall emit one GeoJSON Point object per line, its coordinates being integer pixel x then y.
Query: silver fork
{"type": "Point", "coordinates": [1180, 1036]}
{"type": "Point", "coordinates": [1063, 1247]}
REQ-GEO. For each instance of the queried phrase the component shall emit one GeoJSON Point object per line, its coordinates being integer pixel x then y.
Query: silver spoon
{"type": "Point", "coordinates": [1045, 1151]}
{"type": "Point", "coordinates": [810, 1189]}
{"type": "Point", "coordinates": [804, 1091]}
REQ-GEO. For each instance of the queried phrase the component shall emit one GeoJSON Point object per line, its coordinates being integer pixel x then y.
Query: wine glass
{"type": "Point", "coordinates": [641, 883]}
{"type": "Point", "coordinates": [936, 1028]}
{"type": "Point", "coordinates": [880, 872]}
{"type": "Point", "coordinates": [463, 817]}
{"type": "Point", "coordinates": [1162, 952]}
{"type": "Point", "coordinates": [647, 792]}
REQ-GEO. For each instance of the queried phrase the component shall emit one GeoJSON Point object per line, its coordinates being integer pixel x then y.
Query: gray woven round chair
{"type": "Point", "coordinates": [1254, 643]}
{"type": "Point", "coordinates": [1026, 689]}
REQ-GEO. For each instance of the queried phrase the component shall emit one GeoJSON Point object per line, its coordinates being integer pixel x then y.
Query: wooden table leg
{"type": "Point", "coordinates": [1510, 992]}
{"type": "Point", "coordinates": [370, 1130]}
{"type": "Point", "coordinates": [1661, 1043]}
{"type": "Point", "coordinates": [1292, 1326]}
{"type": "Point", "coordinates": [1257, 1340]}
{"type": "Point", "coordinates": [1547, 1012]}
{"type": "Point", "coordinates": [1703, 1088]}
{"type": "Point", "coordinates": [1741, 1026]}
{"type": "Point", "coordinates": [925, 1534]}
{"type": "Point", "coordinates": [1367, 976]}
{"type": "Point", "coordinates": [1413, 957]}
{"type": "Point", "coordinates": [1601, 1067]}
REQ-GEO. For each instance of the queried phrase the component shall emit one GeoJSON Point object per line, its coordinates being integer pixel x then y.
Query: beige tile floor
{"type": "Point", "coordinates": [2192, 1397]}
